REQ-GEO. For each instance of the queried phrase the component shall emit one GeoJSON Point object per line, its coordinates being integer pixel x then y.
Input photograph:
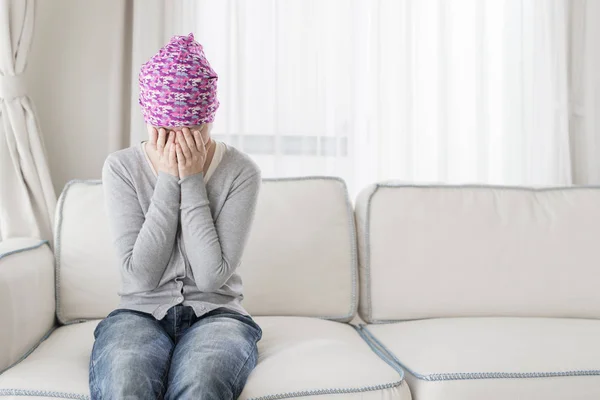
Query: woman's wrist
{"type": "Point", "coordinates": [191, 176]}
{"type": "Point", "coordinates": [167, 188]}
{"type": "Point", "coordinates": [193, 191]}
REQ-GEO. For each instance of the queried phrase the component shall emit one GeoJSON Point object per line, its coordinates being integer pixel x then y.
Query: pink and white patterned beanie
{"type": "Point", "coordinates": [178, 87]}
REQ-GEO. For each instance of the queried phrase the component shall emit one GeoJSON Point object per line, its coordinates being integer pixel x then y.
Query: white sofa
{"type": "Point", "coordinates": [484, 292]}
{"type": "Point", "coordinates": [468, 292]}
{"type": "Point", "coordinates": [300, 276]}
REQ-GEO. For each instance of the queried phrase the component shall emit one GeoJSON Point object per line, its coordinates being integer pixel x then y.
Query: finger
{"type": "Point", "coordinates": [183, 144]}
{"type": "Point", "coordinates": [189, 139]}
{"type": "Point", "coordinates": [198, 140]}
{"type": "Point", "coordinates": [162, 139]}
{"type": "Point", "coordinates": [169, 139]}
{"type": "Point", "coordinates": [180, 156]}
{"type": "Point", "coordinates": [172, 153]}
{"type": "Point", "coordinates": [153, 134]}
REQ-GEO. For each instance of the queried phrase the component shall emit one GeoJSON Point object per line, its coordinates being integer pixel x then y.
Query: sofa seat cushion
{"type": "Point", "coordinates": [495, 358]}
{"type": "Point", "coordinates": [58, 368]}
{"type": "Point", "coordinates": [304, 356]}
{"type": "Point", "coordinates": [298, 357]}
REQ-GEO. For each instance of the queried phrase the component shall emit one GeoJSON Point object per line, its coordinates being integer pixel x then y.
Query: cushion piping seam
{"type": "Point", "coordinates": [456, 376]}
{"type": "Point", "coordinates": [367, 267]}
{"type": "Point", "coordinates": [493, 187]}
{"type": "Point", "coordinates": [23, 249]}
{"type": "Point", "coordinates": [57, 241]}
{"type": "Point", "coordinates": [354, 251]}
{"type": "Point", "coordinates": [312, 392]}
{"type": "Point", "coordinates": [379, 352]}
{"type": "Point", "coordinates": [46, 393]}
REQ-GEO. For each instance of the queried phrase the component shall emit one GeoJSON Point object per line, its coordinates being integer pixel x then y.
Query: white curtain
{"type": "Point", "coordinates": [461, 91]}
{"type": "Point", "coordinates": [27, 198]}
{"type": "Point", "coordinates": [585, 90]}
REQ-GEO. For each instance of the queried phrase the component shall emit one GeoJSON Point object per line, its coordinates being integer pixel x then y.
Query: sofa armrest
{"type": "Point", "coordinates": [27, 301]}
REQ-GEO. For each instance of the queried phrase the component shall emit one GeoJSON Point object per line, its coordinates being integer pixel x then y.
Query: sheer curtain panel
{"type": "Point", "coordinates": [585, 90]}
{"type": "Point", "coordinates": [462, 91]}
{"type": "Point", "coordinates": [27, 198]}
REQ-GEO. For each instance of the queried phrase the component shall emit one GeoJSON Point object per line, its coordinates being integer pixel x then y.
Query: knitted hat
{"type": "Point", "coordinates": [177, 85]}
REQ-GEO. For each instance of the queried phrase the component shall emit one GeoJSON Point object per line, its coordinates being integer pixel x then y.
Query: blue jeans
{"type": "Point", "coordinates": [136, 356]}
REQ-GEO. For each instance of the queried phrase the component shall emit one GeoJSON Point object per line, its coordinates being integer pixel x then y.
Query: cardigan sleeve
{"type": "Point", "coordinates": [215, 247]}
{"type": "Point", "coordinates": [143, 243]}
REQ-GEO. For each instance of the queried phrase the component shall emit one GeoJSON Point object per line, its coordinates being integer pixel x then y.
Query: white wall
{"type": "Point", "coordinates": [75, 79]}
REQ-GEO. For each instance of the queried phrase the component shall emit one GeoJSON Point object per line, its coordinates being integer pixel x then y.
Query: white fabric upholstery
{"type": "Point", "coordinates": [478, 251]}
{"type": "Point", "coordinates": [26, 296]}
{"type": "Point", "coordinates": [300, 259]}
{"type": "Point", "coordinates": [496, 358]}
{"type": "Point", "coordinates": [296, 355]}
{"type": "Point", "coordinates": [58, 366]}
{"type": "Point", "coordinates": [567, 388]}
{"type": "Point", "coordinates": [87, 275]}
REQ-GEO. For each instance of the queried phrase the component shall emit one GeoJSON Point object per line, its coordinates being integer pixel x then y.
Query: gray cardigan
{"type": "Point", "coordinates": [179, 241]}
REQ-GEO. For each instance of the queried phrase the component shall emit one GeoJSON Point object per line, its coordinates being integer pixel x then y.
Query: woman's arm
{"type": "Point", "coordinates": [214, 248]}
{"type": "Point", "coordinates": [144, 243]}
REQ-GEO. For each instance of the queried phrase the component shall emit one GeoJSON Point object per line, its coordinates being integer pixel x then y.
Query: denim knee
{"type": "Point", "coordinates": [213, 359]}
{"type": "Point", "coordinates": [130, 357]}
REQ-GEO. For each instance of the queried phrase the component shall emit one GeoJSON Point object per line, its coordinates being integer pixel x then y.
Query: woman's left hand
{"type": "Point", "coordinates": [191, 152]}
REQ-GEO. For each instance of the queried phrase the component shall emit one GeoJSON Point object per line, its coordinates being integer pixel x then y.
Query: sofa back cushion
{"type": "Point", "coordinates": [451, 251]}
{"type": "Point", "coordinates": [300, 259]}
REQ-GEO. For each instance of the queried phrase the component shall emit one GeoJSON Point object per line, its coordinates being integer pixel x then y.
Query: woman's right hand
{"type": "Point", "coordinates": [164, 145]}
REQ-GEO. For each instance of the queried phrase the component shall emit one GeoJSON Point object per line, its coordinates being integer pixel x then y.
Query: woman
{"type": "Point", "coordinates": [180, 208]}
